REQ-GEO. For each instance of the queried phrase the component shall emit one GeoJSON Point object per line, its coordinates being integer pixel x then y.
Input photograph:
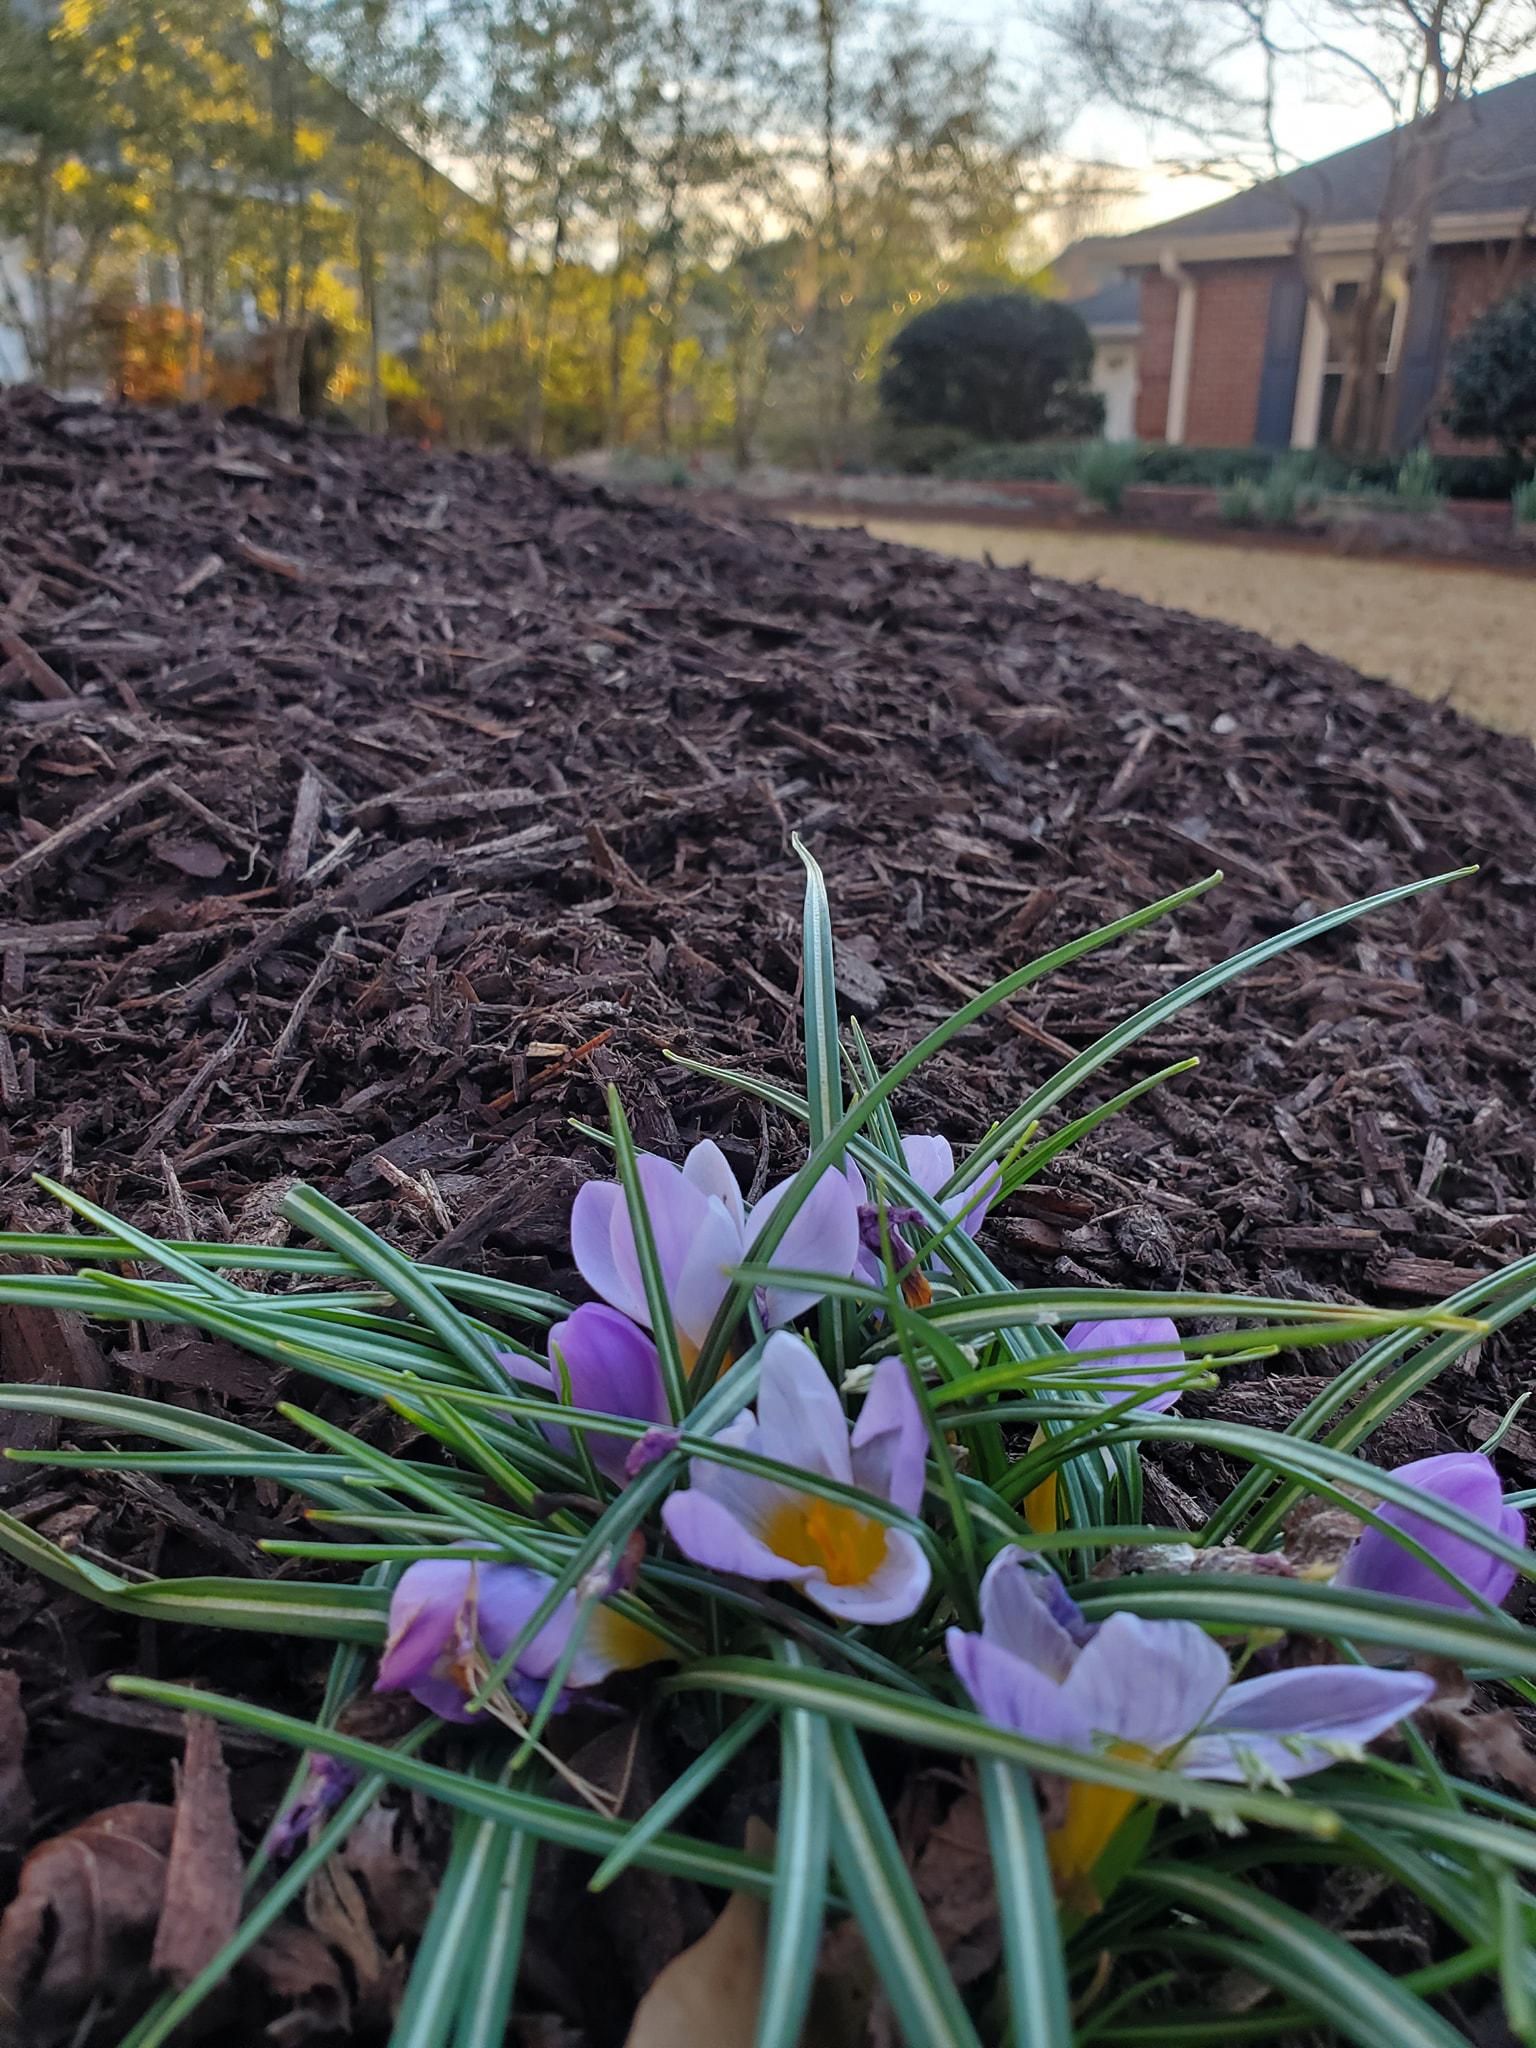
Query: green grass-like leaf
{"type": "Point", "coordinates": [799, 1871]}
{"type": "Point", "coordinates": [874, 1874]}
{"type": "Point", "coordinates": [1308, 1962]}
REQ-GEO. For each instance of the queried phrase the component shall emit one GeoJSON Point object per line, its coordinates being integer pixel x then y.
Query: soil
{"type": "Point", "coordinates": [1458, 630]}
{"type": "Point", "coordinates": [367, 808]}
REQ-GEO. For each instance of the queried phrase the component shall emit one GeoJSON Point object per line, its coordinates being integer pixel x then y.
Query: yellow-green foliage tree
{"type": "Point", "coordinates": [682, 224]}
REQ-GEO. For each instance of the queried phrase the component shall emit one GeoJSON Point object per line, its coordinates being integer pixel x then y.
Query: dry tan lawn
{"type": "Point", "coordinates": [1438, 629]}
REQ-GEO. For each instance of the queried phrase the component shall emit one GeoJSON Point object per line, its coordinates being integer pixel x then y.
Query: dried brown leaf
{"type": "Point", "coordinates": [80, 1924]}
{"type": "Point", "coordinates": [203, 1880]}
{"type": "Point", "coordinates": [708, 1997]}
{"type": "Point", "coordinates": [1485, 1745]}
{"type": "Point", "coordinates": [15, 1794]}
{"type": "Point", "coordinates": [303, 1977]}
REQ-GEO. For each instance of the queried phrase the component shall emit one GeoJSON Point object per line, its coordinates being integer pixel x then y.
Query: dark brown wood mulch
{"type": "Point", "coordinates": [364, 809]}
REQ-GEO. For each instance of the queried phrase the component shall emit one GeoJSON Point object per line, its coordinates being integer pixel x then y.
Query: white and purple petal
{"type": "Point", "coordinates": [1026, 1610]}
{"type": "Point", "coordinates": [431, 1627]}
{"type": "Point", "coordinates": [1146, 1371]}
{"type": "Point", "coordinates": [1290, 1723]}
{"type": "Point", "coordinates": [800, 1418]}
{"type": "Point", "coordinates": [823, 1237]}
{"type": "Point", "coordinates": [930, 1161]}
{"type": "Point", "coordinates": [1149, 1683]}
{"type": "Point", "coordinates": [892, 1591]}
{"type": "Point", "coordinates": [1014, 1694]}
{"type": "Point", "coordinates": [597, 1214]}
{"type": "Point", "coordinates": [707, 1533]}
{"type": "Point", "coordinates": [707, 1169]}
{"type": "Point", "coordinates": [890, 1441]}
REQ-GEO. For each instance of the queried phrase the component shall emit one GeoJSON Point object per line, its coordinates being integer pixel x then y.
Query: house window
{"type": "Point", "coordinates": [1343, 299]}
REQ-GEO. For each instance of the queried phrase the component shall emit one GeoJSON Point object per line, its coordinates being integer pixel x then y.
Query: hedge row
{"type": "Point", "coordinates": [945, 452]}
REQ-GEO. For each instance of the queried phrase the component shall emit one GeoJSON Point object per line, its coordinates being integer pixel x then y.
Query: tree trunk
{"type": "Point", "coordinates": [1424, 185]}
{"type": "Point", "coordinates": [832, 320]}
{"type": "Point", "coordinates": [368, 288]}
{"type": "Point", "coordinates": [618, 338]}
{"type": "Point", "coordinates": [544, 342]}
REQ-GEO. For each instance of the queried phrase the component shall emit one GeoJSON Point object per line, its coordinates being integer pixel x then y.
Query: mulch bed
{"type": "Point", "coordinates": [365, 809]}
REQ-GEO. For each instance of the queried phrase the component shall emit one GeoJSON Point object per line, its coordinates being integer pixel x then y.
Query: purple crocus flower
{"type": "Point", "coordinates": [930, 1161]}
{"type": "Point", "coordinates": [851, 1564]}
{"type": "Point", "coordinates": [451, 1618]}
{"type": "Point", "coordinates": [701, 1229]}
{"type": "Point", "coordinates": [1154, 1692]}
{"type": "Point", "coordinates": [611, 1367]}
{"type": "Point", "coordinates": [1465, 1480]}
{"type": "Point", "coordinates": [1150, 1371]}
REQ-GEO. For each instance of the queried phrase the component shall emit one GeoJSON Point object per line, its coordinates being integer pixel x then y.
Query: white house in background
{"type": "Point", "coordinates": [1113, 318]}
{"type": "Point", "coordinates": [14, 284]}
{"type": "Point", "coordinates": [1087, 276]}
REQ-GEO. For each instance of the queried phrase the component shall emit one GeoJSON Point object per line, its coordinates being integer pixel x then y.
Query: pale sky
{"type": "Point", "coordinates": [1318, 116]}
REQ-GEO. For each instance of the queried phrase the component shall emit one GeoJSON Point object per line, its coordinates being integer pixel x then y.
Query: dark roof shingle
{"type": "Point", "coordinates": [1489, 167]}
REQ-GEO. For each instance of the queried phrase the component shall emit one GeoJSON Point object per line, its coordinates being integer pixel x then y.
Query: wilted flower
{"type": "Point", "coordinates": [851, 1564]}
{"type": "Point", "coordinates": [1148, 1372]}
{"type": "Point", "coordinates": [327, 1781]}
{"type": "Point", "coordinates": [451, 1619]}
{"type": "Point", "coordinates": [701, 1229]}
{"type": "Point", "coordinates": [610, 1367]}
{"type": "Point", "coordinates": [1153, 1692]}
{"type": "Point", "coordinates": [930, 1162]}
{"type": "Point", "coordinates": [1465, 1480]}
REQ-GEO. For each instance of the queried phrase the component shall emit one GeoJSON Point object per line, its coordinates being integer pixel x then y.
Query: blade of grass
{"type": "Point", "coordinates": [681, 1793]}
{"type": "Point", "coordinates": [401, 1280]}
{"type": "Point", "coordinates": [831, 1148]}
{"type": "Point", "coordinates": [1037, 1980]}
{"type": "Point", "coordinates": [487, 2000]}
{"type": "Point", "coordinates": [1297, 1606]}
{"type": "Point", "coordinates": [451, 1955]}
{"type": "Point", "coordinates": [823, 1075]}
{"type": "Point", "coordinates": [908, 1960]}
{"type": "Point", "coordinates": [663, 1330]}
{"type": "Point", "coordinates": [931, 1724]}
{"type": "Point", "coordinates": [1496, 1301]}
{"type": "Point", "coordinates": [550, 1820]}
{"type": "Point", "coordinates": [1169, 1005]}
{"type": "Point", "coordinates": [1307, 1961]}
{"type": "Point", "coordinates": [799, 1872]}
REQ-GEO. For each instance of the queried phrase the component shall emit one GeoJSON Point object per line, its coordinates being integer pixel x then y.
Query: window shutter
{"type": "Point", "coordinates": [1423, 357]}
{"type": "Point", "coordinates": [1282, 359]}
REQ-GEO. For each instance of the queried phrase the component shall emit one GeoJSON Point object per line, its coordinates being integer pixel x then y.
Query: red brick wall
{"type": "Point", "coordinates": [1231, 321]}
{"type": "Point", "coordinates": [1478, 276]}
{"type": "Point", "coordinates": [1154, 358]}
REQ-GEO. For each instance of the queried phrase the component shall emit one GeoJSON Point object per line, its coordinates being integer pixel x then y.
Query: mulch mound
{"type": "Point", "coordinates": [364, 809]}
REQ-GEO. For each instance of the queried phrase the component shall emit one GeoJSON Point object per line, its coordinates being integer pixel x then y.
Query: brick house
{"type": "Point", "coordinates": [1232, 349]}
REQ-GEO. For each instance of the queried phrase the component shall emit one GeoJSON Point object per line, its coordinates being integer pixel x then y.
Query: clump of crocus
{"type": "Point", "coordinates": [930, 1162]}
{"type": "Point", "coordinates": [451, 1619]}
{"type": "Point", "coordinates": [1463, 1479]}
{"type": "Point", "coordinates": [1153, 1692]}
{"type": "Point", "coordinates": [1154, 1372]}
{"type": "Point", "coordinates": [850, 1563]}
{"type": "Point", "coordinates": [601, 1361]}
{"type": "Point", "coordinates": [701, 1229]}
